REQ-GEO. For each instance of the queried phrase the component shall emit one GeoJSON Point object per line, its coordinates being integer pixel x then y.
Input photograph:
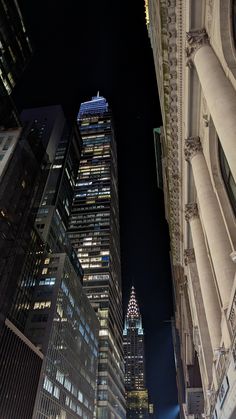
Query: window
{"type": "Point", "coordinates": [80, 396]}
{"type": "Point", "coordinates": [67, 384]}
{"type": "Point", "coordinates": [60, 377]}
{"type": "Point", "coordinates": [102, 381]}
{"type": "Point", "coordinates": [103, 332]}
{"type": "Point", "coordinates": [47, 385]}
{"type": "Point", "coordinates": [228, 179]}
{"type": "Point", "coordinates": [79, 410]}
{"type": "Point", "coordinates": [64, 288]}
{"type": "Point", "coordinates": [73, 405]}
{"type": "Point", "coordinates": [47, 281]}
{"type": "Point", "coordinates": [81, 329]}
{"type": "Point", "coordinates": [102, 395]}
{"type": "Point", "coordinates": [234, 20]}
{"type": "Point", "coordinates": [74, 391]}
{"type": "Point", "coordinates": [56, 392]}
{"type": "Point", "coordinates": [7, 143]}
{"type": "Point", "coordinates": [40, 305]}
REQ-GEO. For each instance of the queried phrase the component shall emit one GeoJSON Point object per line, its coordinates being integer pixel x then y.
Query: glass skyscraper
{"type": "Point", "coordinates": [94, 233]}
{"type": "Point", "coordinates": [63, 325]}
{"type": "Point", "coordinates": [135, 382]}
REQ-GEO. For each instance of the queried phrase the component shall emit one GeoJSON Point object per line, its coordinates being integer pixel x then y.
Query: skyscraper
{"type": "Point", "coordinates": [94, 233]}
{"type": "Point", "coordinates": [135, 383]}
{"type": "Point", "coordinates": [45, 316]}
{"type": "Point", "coordinates": [63, 325]}
{"type": "Point", "coordinates": [61, 321]}
{"type": "Point", "coordinates": [15, 53]}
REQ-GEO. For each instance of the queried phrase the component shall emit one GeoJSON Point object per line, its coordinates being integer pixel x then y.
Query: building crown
{"type": "Point", "coordinates": [133, 308]}
{"type": "Point", "coordinates": [97, 105]}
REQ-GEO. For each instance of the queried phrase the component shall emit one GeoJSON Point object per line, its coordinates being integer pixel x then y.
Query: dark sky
{"type": "Point", "coordinates": [81, 47]}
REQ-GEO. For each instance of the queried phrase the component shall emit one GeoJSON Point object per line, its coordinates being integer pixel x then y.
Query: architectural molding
{"type": "Point", "coordinates": [192, 147]}
{"type": "Point", "coordinates": [195, 40]}
{"type": "Point", "coordinates": [196, 338]}
{"type": "Point", "coordinates": [191, 211]}
{"type": "Point", "coordinates": [189, 256]}
{"type": "Point", "coordinates": [209, 14]}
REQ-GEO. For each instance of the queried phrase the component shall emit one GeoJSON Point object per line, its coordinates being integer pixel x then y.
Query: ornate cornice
{"type": "Point", "coordinates": [191, 211]}
{"type": "Point", "coordinates": [168, 46]}
{"type": "Point", "coordinates": [189, 256]}
{"type": "Point", "coordinates": [195, 40]}
{"type": "Point", "coordinates": [192, 147]}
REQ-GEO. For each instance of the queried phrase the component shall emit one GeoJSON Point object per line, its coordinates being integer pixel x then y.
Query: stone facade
{"type": "Point", "coordinates": [194, 49]}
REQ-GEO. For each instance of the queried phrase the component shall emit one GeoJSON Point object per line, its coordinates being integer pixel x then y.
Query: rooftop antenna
{"type": "Point", "coordinates": [98, 93]}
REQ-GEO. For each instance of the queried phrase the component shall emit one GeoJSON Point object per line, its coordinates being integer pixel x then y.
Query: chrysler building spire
{"type": "Point", "coordinates": [133, 308]}
{"type": "Point", "coordinates": [135, 383]}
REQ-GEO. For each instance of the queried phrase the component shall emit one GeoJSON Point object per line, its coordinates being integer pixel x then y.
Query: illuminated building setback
{"type": "Point", "coordinates": [94, 233]}
{"type": "Point", "coordinates": [135, 383]}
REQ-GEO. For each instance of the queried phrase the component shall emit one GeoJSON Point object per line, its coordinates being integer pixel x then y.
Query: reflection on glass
{"type": "Point", "coordinates": [227, 176]}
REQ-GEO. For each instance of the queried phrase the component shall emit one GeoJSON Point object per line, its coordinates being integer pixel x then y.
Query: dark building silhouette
{"type": "Point", "coordinates": [21, 163]}
{"type": "Point", "coordinates": [21, 189]}
{"type": "Point", "coordinates": [94, 233]}
{"type": "Point", "coordinates": [21, 167]}
{"type": "Point", "coordinates": [15, 53]}
{"type": "Point", "coordinates": [135, 382]}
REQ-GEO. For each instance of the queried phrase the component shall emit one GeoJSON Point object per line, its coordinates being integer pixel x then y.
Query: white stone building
{"type": "Point", "coordinates": [194, 48]}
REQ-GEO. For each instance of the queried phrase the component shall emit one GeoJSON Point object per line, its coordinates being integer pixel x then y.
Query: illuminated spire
{"type": "Point", "coordinates": [133, 308]}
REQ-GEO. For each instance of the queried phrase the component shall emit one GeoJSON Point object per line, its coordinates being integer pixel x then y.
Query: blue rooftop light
{"type": "Point", "coordinates": [96, 105]}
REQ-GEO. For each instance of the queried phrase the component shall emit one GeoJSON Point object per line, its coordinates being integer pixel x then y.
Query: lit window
{"type": "Point", "coordinates": [47, 385]}
{"type": "Point", "coordinates": [73, 405]}
{"type": "Point", "coordinates": [67, 384]}
{"type": "Point", "coordinates": [103, 332]}
{"type": "Point", "coordinates": [80, 396]}
{"type": "Point", "coordinates": [47, 281]}
{"type": "Point", "coordinates": [56, 392]}
{"type": "Point", "coordinates": [40, 305]}
{"type": "Point", "coordinates": [79, 410]}
{"type": "Point", "coordinates": [56, 166]}
{"type": "Point", "coordinates": [60, 377]}
{"type": "Point", "coordinates": [74, 391]}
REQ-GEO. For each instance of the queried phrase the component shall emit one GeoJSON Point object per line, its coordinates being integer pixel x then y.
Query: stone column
{"type": "Point", "coordinates": [217, 237]}
{"type": "Point", "coordinates": [218, 91]}
{"type": "Point", "coordinates": [201, 336]}
{"type": "Point", "coordinates": [207, 285]}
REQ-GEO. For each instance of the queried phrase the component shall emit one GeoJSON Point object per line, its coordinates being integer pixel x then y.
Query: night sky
{"type": "Point", "coordinates": [81, 47]}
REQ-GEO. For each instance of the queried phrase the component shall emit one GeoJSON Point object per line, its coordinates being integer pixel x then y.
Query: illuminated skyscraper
{"type": "Point", "coordinates": [135, 383]}
{"type": "Point", "coordinates": [94, 233]}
